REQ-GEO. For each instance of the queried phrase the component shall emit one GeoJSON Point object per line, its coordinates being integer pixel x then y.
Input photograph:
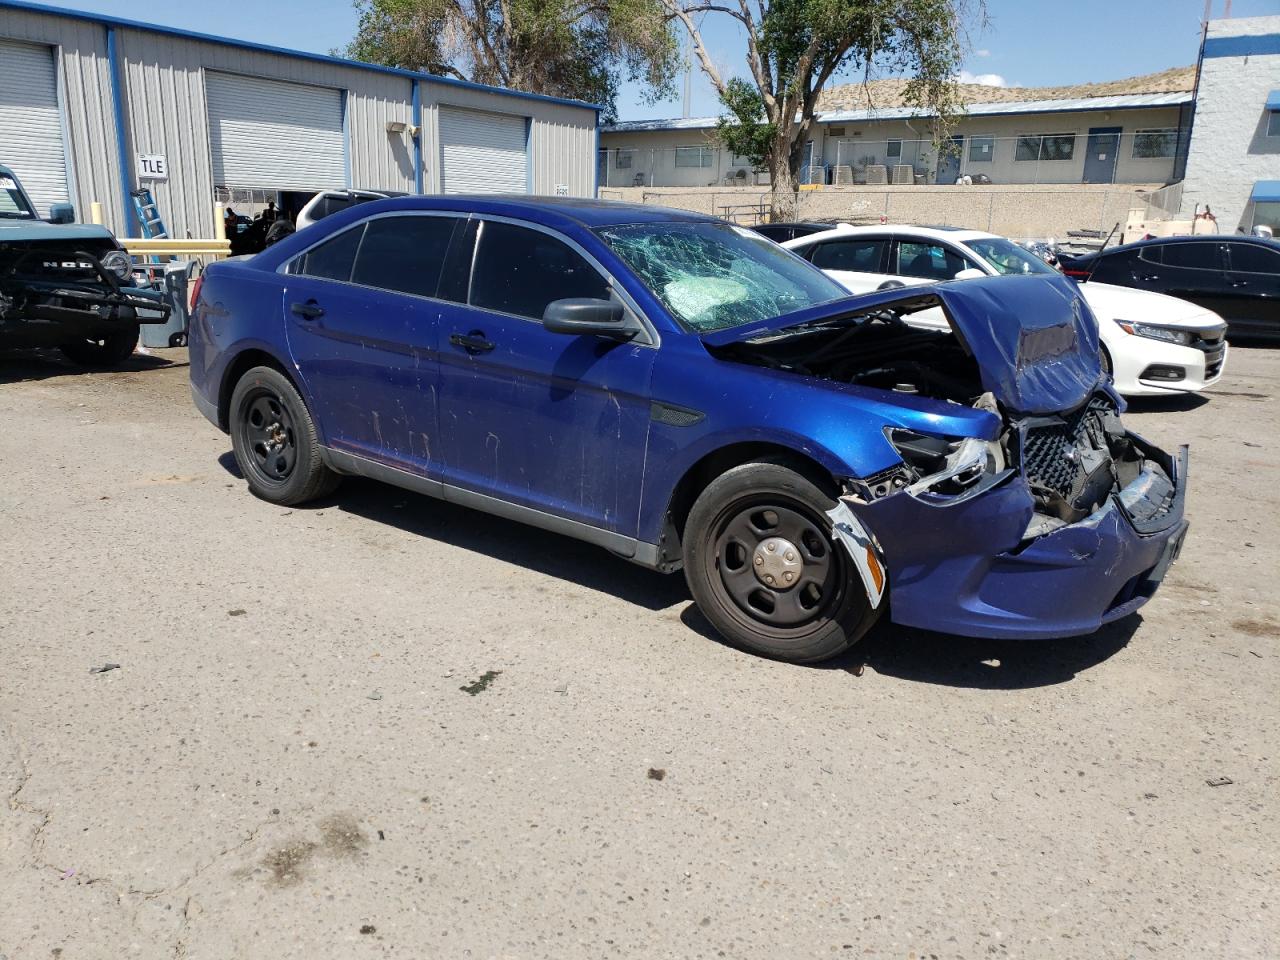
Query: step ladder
{"type": "Point", "coordinates": [144, 208]}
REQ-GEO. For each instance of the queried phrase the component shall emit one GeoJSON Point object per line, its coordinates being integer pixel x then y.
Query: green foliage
{"type": "Point", "coordinates": [795, 47]}
{"type": "Point", "coordinates": [583, 49]}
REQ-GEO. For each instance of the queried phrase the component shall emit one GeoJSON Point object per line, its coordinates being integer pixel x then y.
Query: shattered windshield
{"type": "Point", "coordinates": [1007, 258]}
{"type": "Point", "coordinates": [714, 275]}
{"type": "Point", "coordinates": [13, 205]}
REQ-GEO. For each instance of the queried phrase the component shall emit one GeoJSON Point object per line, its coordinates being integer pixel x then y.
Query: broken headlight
{"type": "Point", "coordinates": [1153, 332]}
{"type": "Point", "coordinates": [118, 262]}
{"type": "Point", "coordinates": [944, 467]}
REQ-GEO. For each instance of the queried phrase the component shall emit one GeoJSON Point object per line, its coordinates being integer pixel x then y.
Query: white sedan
{"type": "Point", "coordinates": [1153, 344]}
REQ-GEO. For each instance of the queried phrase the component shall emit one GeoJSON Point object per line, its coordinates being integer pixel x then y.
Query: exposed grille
{"type": "Point", "coordinates": [1054, 457]}
{"type": "Point", "coordinates": [1211, 342]}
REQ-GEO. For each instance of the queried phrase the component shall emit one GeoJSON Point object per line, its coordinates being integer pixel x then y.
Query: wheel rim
{"type": "Point", "coordinates": [777, 568]}
{"type": "Point", "coordinates": [268, 438]}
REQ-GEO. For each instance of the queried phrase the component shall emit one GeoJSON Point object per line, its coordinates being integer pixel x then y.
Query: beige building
{"type": "Point", "coordinates": [1119, 138]}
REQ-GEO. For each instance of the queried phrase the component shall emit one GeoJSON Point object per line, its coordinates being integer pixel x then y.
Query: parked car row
{"type": "Point", "coordinates": [690, 395]}
{"type": "Point", "coordinates": [1150, 343]}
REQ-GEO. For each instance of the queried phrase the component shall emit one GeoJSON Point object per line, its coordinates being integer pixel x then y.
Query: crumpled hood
{"type": "Point", "coordinates": [12, 231]}
{"type": "Point", "coordinates": [1034, 339]}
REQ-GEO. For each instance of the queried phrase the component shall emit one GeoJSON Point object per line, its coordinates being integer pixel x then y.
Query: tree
{"type": "Point", "coordinates": [795, 46]}
{"type": "Point", "coordinates": [581, 49]}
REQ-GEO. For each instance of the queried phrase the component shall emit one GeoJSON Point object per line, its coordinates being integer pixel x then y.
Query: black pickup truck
{"type": "Point", "coordinates": [67, 285]}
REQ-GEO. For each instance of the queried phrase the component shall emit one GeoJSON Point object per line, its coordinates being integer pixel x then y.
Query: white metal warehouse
{"type": "Point", "coordinates": [92, 107]}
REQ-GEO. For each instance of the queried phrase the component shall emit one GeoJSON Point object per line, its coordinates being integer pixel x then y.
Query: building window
{"type": "Point", "coordinates": [894, 150]}
{"type": "Point", "coordinates": [625, 159]}
{"type": "Point", "coordinates": [1048, 146]}
{"type": "Point", "coordinates": [981, 149]}
{"type": "Point", "coordinates": [1154, 144]}
{"type": "Point", "coordinates": [1273, 123]}
{"type": "Point", "coordinates": [694, 156]}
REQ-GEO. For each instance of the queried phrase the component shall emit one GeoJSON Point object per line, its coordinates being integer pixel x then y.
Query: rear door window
{"type": "Point", "coordinates": [1253, 258]}
{"type": "Point", "coordinates": [519, 271]}
{"type": "Point", "coordinates": [1192, 256]}
{"type": "Point", "coordinates": [928, 261]}
{"type": "Point", "coordinates": [333, 259]}
{"type": "Point", "coordinates": [404, 254]}
{"type": "Point", "coordinates": [865, 255]}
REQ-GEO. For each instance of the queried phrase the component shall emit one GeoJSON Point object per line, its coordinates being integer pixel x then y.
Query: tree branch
{"type": "Point", "coordinates": [675, 11]}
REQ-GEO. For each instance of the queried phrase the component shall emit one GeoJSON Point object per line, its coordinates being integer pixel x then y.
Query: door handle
{"type": "Point", "coordinates": [308, 311]}
{"type": "Point", "coordinates": [1239, 283]}
{"type": "Point", "coordinates": [1149, 276]}
{"type": "Point", "coordinates": [473, 342]}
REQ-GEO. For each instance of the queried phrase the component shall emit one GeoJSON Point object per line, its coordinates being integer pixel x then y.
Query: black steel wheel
{"type": "Point", "coordinates": [274, 439]}
{"type": "Point", "coordinates": [108, 351]}
{"type": "Point", "coordinates": [764, 568]}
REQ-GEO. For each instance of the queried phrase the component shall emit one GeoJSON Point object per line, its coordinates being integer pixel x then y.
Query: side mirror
{"type": "Point", "coordinates": [62, 213]}
{"type": "Point", "coordinates": [587, 317]}
{"type": "Point", "coordinates": [970, 273]}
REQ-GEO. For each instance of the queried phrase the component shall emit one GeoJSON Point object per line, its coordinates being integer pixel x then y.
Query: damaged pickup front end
{"type": "Point", "coordinates": [1050, 520]}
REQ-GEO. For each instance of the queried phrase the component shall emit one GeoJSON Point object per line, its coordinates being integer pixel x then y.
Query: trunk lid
{"type": "Point", "coordinates": [1034, 338]}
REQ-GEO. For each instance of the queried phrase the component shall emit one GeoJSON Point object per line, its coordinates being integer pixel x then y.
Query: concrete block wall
{"type": "Point", "coordinates": [1015, 211]}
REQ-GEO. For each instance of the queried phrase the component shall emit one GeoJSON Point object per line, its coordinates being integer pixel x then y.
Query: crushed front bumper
{"type": "Point", "coordinates": [967, 568]}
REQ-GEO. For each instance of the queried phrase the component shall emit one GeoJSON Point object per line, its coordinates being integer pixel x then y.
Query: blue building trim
{"type": "Point", "coordinates": [109, 21]}
{"type": "Point", "coordinates": [1273, 101]}
{"type": "Point", "coordinates": [1261, 44]}
{"type": "Point", "coordinates": [595, 160]}
{"type": "Point", "coordinates": [417, 137]}
{"type": "Point", "coordinates": [122, 145]}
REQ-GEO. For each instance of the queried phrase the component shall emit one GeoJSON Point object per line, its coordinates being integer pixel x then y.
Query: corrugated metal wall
{"type": "Point", "coordinates": [86, 95]}
{"type": "Point", "coordinates": [165, 114]}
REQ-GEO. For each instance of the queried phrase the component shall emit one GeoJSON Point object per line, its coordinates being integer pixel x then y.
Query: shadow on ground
{"type": "Point", "coordinates": [18, 366]}
{"type": "Point", "coordinates": [908, 654]}
{"type": "Point", "coordinates": [939, 658]}
{"type": "Point", "coordinates": [1173, 403]}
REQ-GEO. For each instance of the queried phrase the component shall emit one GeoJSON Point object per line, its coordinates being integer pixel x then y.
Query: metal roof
{"type": "Point", "coordinates": [1132, 101]}
{"type": "Point", "coordinates": [110, 21]}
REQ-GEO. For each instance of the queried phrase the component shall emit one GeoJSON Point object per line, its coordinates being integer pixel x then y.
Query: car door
{"type": "Point", "coordinates": [856, 263]}
{"type": "Point", "coordinates": [362, 323]}
{"type": "Point", "coordinates": [1251, 300]}
{"type": "Point", "coordinates": [1192, 270]}
{"type": "Point", "coordinates": [548, 421]}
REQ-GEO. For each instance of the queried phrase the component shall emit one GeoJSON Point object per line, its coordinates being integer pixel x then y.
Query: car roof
{"type": "Point", "coordinates": [957, 234]}
{"type": "Point", "coordinates": [548, 211]}
{"type": "Point", "coordinates": [1270, 244]}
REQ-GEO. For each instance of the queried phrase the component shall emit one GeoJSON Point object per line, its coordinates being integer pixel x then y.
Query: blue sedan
{"type": "Point", "coordinates": [687, 394]}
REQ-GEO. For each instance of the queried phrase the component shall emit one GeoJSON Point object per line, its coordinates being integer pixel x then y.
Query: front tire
{"type": "Point", "coordinates": [764, 569]}
{"type": "Point", "coordinates": [110, 351]}
{"type": "Point", "coordinates": [274, 440]}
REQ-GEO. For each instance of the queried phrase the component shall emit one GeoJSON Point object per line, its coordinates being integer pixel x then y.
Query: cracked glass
{"type": "Point", "coordinates": [712, 276]}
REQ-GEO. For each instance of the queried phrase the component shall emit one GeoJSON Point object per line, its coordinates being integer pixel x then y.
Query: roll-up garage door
{"type": "Point", "coordinates": [30, 122]}
{"type": "Point", "coordinates": [483, 152]}
{"type": "Point", "coordinates": [266, 134]}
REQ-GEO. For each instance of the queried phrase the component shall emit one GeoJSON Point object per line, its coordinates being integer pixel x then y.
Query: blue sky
{"type": "Point", "coordinates": [1027, 43]}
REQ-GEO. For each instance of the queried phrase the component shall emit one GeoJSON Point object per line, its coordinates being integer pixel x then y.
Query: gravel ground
{"type": "Point", "coordinates": [299, 754]}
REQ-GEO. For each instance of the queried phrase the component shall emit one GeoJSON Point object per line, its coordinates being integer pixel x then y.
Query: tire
{"type": "Point", "coordinates": [111, 351]}
{"type": "Point", "coordinates": [1104, 358]}
{"type": "Point", "coordinates": [274, 440]}
{"type": "Point", "coordinates": [726, 540]}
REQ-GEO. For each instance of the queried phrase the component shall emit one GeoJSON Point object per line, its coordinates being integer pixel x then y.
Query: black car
{"type": "Point", "coordinates": [782, 232]}
{"type": "Point", "coordinates": [1237, 277]}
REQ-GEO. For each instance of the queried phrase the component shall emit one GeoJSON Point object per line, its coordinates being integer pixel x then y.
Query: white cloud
{"type": "Point", "coordinates": [982, 53]}
{"type": "Point", "coordinates": [982, 79]}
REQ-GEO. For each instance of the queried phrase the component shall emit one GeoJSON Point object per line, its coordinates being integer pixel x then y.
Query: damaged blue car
{"type": "Point", "coordinates": [689, 395]}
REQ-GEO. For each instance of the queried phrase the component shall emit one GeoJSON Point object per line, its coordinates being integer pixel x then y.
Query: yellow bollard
{"type": "Point", "coordinates": [219, 224]}
{"type": "Point", "coordinates": [95, 213]}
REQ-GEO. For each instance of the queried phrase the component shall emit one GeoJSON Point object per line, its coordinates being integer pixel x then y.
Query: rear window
{"type": "Point", "coordinates": [333, 259]}
{"type": "Point", "coordinates": [862, 256]}
{"type": "Point", "coordinates": [404, 254]}
{"type": "Point", "coordinates": [1195, 256]}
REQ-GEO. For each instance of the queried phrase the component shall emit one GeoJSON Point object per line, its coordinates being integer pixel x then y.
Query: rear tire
{"type": "Point", "coordinates": [274, 440]}
{"type": "Point", "coordinates": [111, 351]}
{"type": "Point", "coordinates": [752, 527]}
